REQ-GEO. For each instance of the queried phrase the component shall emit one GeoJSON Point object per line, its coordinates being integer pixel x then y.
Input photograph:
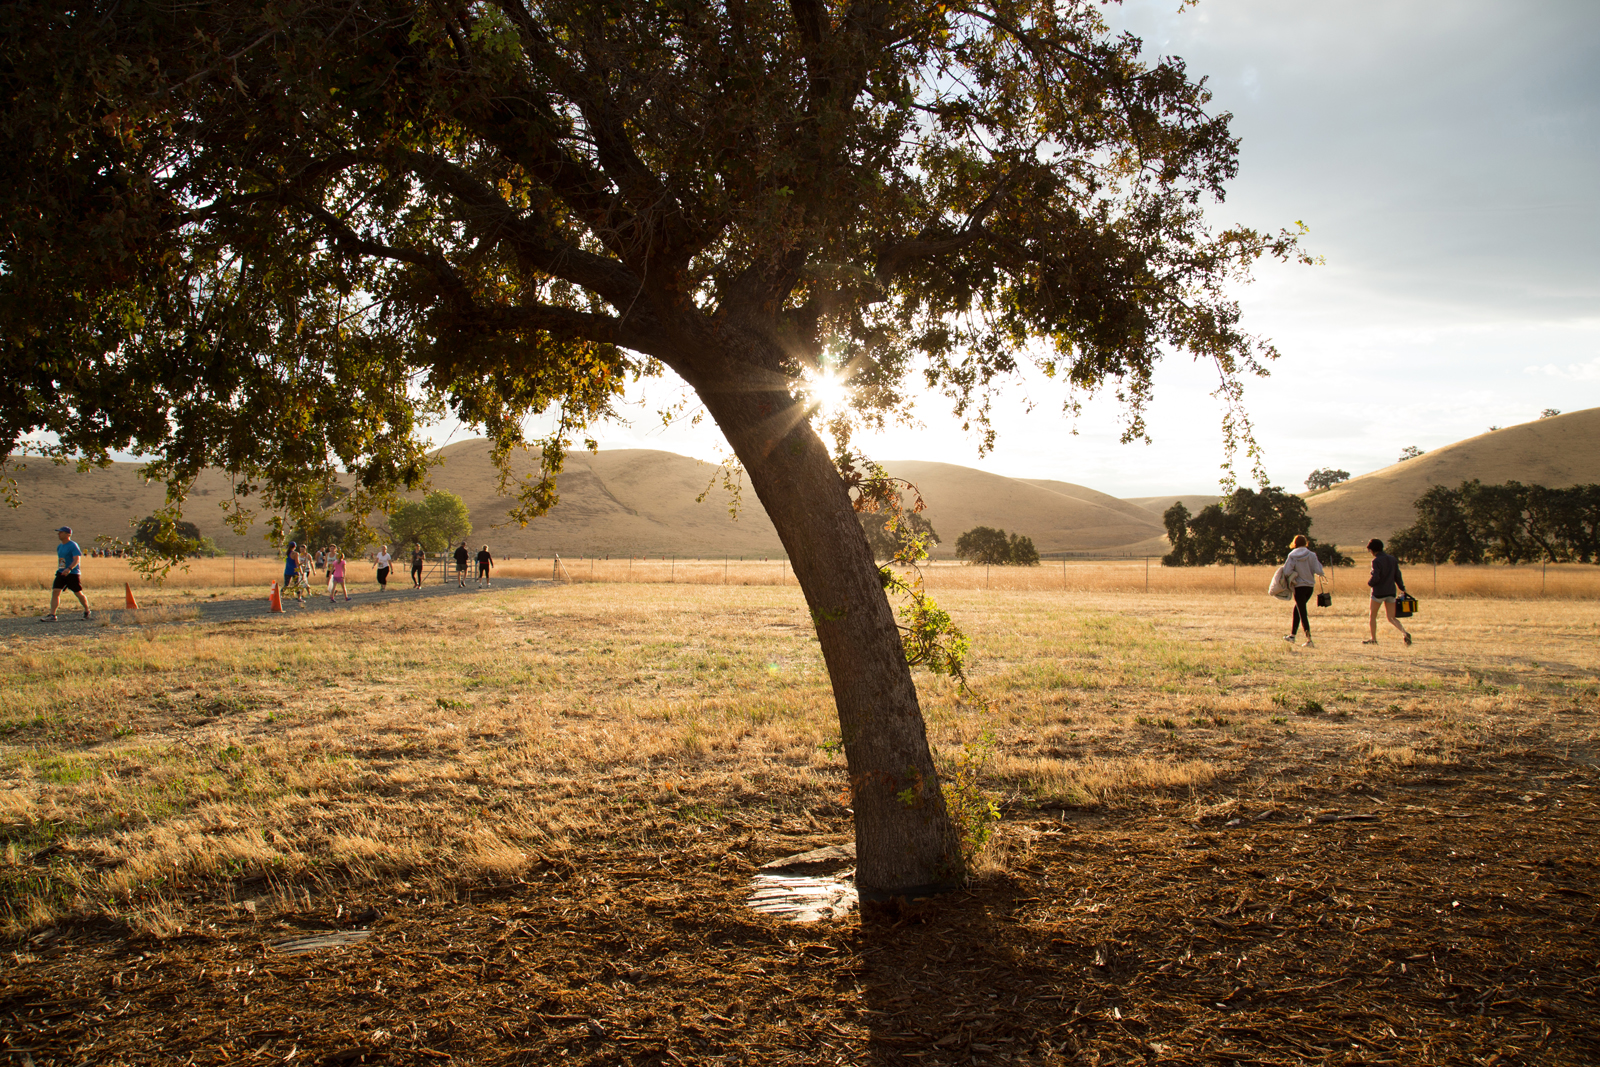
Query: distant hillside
{"type": "Point", "coordinates": [1159, 504]}
{"type": "Point", "coordinates": [1559, 451]}
{"type": "Point", "coordinates": [106, 502]}
{"type": "Point", "coordinates": [643, 501]}
{"type": "Point", "coordinates": [612, 503]}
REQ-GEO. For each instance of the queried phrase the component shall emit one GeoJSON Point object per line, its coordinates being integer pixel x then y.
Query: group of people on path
{"type": "Point", "coordinates": [1302, 568]}
{"type": "Point", "coordinates": [297, 569]}
{"type": "Point", "coordinates": [1300, 572]}
{"type": "Point", "coordinates": [297, 565]}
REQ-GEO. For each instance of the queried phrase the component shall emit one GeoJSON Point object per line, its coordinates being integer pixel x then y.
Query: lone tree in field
{"type": "Point", "coordinates": [277, 238]}
{"type": "Point", "coordinates": [1325, 478]}
{"type": "Point", "coordinates": [985, 544]}
{"type": "Point", "coordinates": [438, 520]}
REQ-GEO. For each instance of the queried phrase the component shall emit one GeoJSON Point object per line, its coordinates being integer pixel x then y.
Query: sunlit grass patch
{"type": "Point", "coordinates": [461, 741]}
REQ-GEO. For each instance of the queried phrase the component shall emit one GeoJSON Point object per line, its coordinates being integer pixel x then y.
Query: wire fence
{"type": "Point", "coordinates": [1080, 574]}
{"type": "Point", "coordinates": [1104, 574]}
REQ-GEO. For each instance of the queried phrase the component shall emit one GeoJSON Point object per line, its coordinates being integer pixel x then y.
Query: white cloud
{"type": "Point", "coordinates": [1589, 371]}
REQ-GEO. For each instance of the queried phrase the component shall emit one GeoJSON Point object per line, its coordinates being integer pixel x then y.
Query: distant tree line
{"type": "Point", "coordinates": [985, 544]}
{"type": "Point", "coordinates": [1247, 527]}
{"type": "Point", "coordinates": [1510, 523]}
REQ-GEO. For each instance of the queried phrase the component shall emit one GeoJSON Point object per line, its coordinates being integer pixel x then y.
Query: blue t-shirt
{"type": "Point", "coordinates": [290, 565]}
{"type": "Point", "coordinates": [65, 551]}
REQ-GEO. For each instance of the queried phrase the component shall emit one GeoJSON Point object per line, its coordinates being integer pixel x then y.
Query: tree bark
{"type": "Point", "coordinates": [905, 844]}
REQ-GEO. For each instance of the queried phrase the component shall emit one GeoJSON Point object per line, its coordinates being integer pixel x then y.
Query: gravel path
{"type": "Point", "coordinates": [73, 624]}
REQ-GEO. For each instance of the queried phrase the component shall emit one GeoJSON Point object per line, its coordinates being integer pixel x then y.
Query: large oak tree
{"type": "Point", "coordinates": [277, 236]}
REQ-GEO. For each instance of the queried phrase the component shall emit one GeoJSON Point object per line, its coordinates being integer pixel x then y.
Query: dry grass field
{"type": "Point", "coordinates": [25, 578]}
{"type": "Point", "coordinates": [534, 813]}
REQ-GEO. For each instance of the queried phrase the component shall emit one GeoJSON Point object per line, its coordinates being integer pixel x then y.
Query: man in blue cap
{"type": "Point", "coordinates": [68, 554]}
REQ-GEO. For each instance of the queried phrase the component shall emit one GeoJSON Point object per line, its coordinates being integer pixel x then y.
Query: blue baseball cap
{"type": "Point", "coordinates": [63, 529]}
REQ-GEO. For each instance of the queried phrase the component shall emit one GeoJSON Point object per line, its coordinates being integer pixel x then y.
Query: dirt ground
{"type": "Point", "coordinates": [1458, 926]}
{"type": "Point", "coordinates": [1308, 907]}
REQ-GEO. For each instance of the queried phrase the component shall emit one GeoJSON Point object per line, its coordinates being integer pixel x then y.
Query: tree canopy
{"type": "Point", "coordinates": [1325, 478]}
{"type": "Point", "coordinates": [1509, 523]}
{"type": "Point", "coordinates": [438, 521]}
{"type": "Point", "coordinates": [279, 238]}
{"type": "Point", "coordinates": [1248, 527]}
{"type": "Point", "coordinates": [985, 544]}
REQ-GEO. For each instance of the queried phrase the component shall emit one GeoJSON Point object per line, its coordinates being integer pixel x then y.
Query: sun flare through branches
{"type": "Point", "coordinates": [828, 390]}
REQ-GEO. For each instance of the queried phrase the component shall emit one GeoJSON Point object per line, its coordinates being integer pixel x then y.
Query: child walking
{"type": "Point", "coordinates": [337, 579]}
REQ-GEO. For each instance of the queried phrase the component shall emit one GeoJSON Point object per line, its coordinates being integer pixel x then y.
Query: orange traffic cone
{"type": "Point", "coordinates": [274, 601]}
{"type": "Point", "coordinates": [133, 605]}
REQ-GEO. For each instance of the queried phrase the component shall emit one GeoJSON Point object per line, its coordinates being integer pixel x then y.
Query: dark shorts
{"type": "Point", "coordinates": [461, 567]}
{"type": "Point", "coordinates": [383, 575]}
{"type": "Point", "coordinates": [73, 582]}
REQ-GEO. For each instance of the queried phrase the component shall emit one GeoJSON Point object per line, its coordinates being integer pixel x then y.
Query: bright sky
{"type": "Point", "coordinates": [1446, 156]}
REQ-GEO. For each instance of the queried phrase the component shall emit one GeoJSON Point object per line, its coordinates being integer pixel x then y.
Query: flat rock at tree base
{"type": "Point", "coordinates": [795, 887]}
{"type": "Point", "coordinates": [802, 899]}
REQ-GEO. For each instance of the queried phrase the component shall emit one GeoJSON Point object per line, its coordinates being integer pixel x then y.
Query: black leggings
{"type": "Point", "coordinates": [1302, 594]}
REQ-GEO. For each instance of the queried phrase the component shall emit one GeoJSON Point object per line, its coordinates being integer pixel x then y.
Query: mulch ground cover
{"type": "Point", "coordinates": [1405, 917]}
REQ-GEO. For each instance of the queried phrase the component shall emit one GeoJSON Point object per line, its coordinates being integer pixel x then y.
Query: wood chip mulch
{"type": "Point", "coordinates": [1455, 921]}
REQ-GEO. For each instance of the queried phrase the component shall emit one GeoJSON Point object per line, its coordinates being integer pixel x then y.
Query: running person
{"type": "Point", "coordinates": [336, 575]}
{"type": "Point", "coordinates": [292, 578]}
{"type": "Point", "coordinates": [417, 557]}
{"type": "Point", "coordinates": [68, 576]}
{"type": "Point", "coordinates": [461, 564]}
{"type": "Point", "coordinates": [382, 561]}
{"type": "Point", "coordinates": [485, 561]}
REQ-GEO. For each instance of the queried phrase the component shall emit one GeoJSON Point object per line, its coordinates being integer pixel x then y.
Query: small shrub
{"type": "Point", "coordinates": [1311, 707]}
{"type": "Point", "coordinates": [973, 811]}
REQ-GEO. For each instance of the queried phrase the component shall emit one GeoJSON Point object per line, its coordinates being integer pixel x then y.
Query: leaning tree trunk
{"type": "Point", "coordinates": [905, 843]}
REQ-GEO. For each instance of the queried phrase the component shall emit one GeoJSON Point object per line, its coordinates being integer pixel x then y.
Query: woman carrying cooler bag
{"type": "Point", "coordinates": [1300, 570]}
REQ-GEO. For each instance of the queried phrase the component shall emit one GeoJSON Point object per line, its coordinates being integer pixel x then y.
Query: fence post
{"type": "Point", "coordinates": [1147, 574]}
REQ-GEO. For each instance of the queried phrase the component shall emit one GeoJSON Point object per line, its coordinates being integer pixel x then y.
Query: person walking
{"type": "Point", "coordinates": [461, 565]}
{"type": "Point", "coordinates": [68, 573]}
{"type": "Point", "coordinates": [1301, 570]}
{"type": "Point", "coordinates": [1385, 580]}
{"type": "Point", "coordinates": [382, 561]}
{"type": "Point", "coordinates": [336, 575]}
{"type": "Point", "coordinates": [417, 558]}
{"type": "Point", "coordinates": [485, 561]}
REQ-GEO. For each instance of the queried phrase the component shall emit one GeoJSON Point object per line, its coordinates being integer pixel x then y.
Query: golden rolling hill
{"type": "Point", "coordinates": [640, 501]}
{"type": "Point", "coordinates": [628, 501]}
{"type": "Point", "coordinates": [1559, 451]}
